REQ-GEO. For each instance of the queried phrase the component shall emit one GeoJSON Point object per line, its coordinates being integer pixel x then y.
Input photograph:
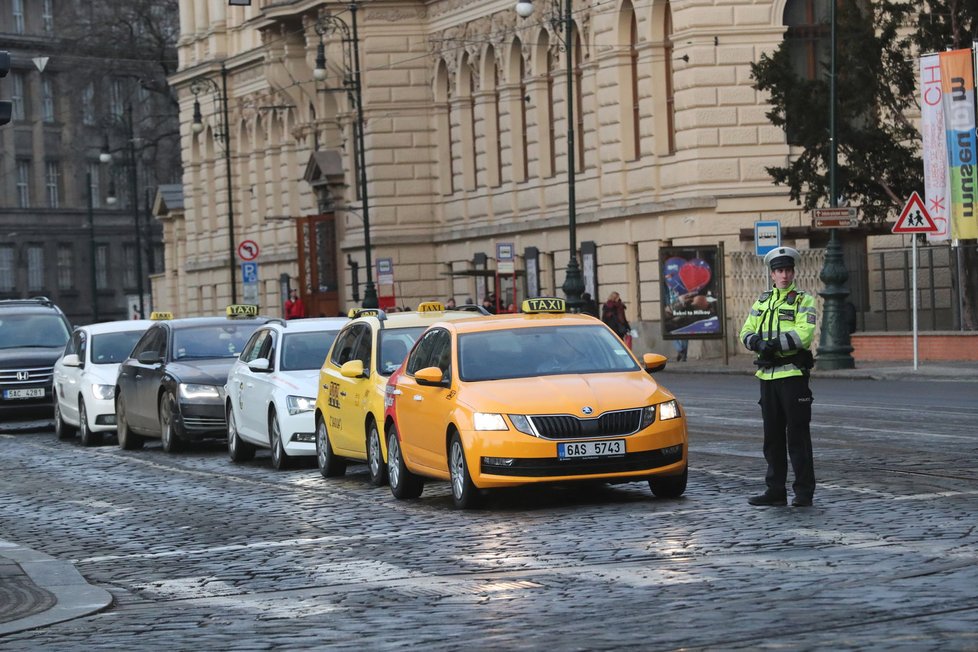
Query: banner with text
{"type": "Point", "coordinates": [937, 187]}
{"type": "Point", "coordinates": [958, 90]}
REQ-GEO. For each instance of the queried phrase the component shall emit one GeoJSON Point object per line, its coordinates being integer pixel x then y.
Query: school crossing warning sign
{"type": "Point", "coordinates": [914, 218]}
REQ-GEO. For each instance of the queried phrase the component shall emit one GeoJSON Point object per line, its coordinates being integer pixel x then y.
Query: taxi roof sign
{"type": "Point", "coordinates": [242, 310]}
{"type": "Point", "coordinates": [544, 304]}
{"type": "Point", "coordinates": [158, 315]}
{"type": "Point", "coordinates": [431, 306]}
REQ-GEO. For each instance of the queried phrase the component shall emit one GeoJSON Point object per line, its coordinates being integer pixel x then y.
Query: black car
{"type": "Point", "coordinates": [33, 333]}
{"type": "Point", "coordinates": [172, 385]}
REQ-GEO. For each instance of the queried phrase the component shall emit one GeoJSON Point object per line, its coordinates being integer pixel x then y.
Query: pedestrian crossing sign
{"type": "Point", "coordinates": [914, 218]}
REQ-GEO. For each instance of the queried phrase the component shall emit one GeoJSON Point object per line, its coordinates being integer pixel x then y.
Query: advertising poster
{"type": "Point", "coordinates": [958, 97]}
{"type": "Point", "coordinates": [691, 281]}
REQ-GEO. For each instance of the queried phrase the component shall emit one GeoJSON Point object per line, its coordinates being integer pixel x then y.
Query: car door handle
{"type": "Point", "coordinates": [139, 376]}
{"type": "Point", "coordinates": [417, 397]}
{"type": "Point", "coordinates": [342, 393]}
{"type": "Point", "coordinates": [249, 385]}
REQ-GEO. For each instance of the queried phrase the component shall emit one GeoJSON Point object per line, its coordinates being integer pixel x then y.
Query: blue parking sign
{"type": "Point", "coordinates": [249, 272]}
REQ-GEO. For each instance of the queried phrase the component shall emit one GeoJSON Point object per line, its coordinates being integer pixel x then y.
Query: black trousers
{"type": "Point", "coordinates": [786, 405]}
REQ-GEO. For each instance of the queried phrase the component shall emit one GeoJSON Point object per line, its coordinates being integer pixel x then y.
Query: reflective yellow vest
{"type": "Point", "coordinates": [786, 315]}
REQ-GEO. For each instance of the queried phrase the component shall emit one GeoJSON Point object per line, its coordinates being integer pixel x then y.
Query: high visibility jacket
{"type": "Point", "coordinates": [787, 316]}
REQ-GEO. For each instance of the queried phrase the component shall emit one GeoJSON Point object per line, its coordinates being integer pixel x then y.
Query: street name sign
{"type": "Point", "coordinates": [835, 218]}
{"type": "Point", "coordinates": [914, 218]}
{"type": "Point", "coordinates": [767, 236]}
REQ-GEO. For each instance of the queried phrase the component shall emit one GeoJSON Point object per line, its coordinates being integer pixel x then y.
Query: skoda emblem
{"type": "Point", "coordinates": [23, 375]}
{"type": "Point", "coordinates": [587, 409]}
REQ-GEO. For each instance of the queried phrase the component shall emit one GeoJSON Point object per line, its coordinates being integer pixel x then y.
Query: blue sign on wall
{"type": "Point", "coordinates": [249, 272]}
{"type": "Point", "coordinates": [767, 236]}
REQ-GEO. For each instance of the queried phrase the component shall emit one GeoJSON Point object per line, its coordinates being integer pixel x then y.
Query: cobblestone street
{"type": "Point", "coordinates": [202, 554]}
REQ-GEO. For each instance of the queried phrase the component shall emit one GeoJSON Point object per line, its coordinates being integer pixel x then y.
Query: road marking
{"type": "Point", "coordinates": [837, 427]}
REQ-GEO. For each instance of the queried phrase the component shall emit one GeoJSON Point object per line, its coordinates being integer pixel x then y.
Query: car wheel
{"type": "Point", "coordinates": [88, 438]}
{"type": "Point", "coordinates": [61, 429]}
{"type": "Point", "coordinates": [404, 483]}
{"type": "Point", "coordinates": [375, 457]}
{"type": "Point", "coordinates": [330, 466]}
{"type": "Point", "coordinates": [238, 450]}
{"type": "Point", "coordinates": [168, 429]}
{"type": "Point", "coordinates": [669, 486]}
{"type": "Point", "coordinates": [127, 439]}
{"type": "Point", "coordinates": [280, 459]}
{"type": "Point", "coordinates": [465, 495]}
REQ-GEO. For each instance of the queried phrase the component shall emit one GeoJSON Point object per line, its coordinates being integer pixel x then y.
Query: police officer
{"type": "Point", "coordinates": [779, 329]}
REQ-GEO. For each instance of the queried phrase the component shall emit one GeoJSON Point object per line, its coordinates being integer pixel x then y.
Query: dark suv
{"type": "Point", "coordinates": [33, 333]}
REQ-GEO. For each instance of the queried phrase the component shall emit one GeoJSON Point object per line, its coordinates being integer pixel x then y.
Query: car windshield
{"type": "Point", "coordinates": [113, 348]}
{"type": "Point", "coordinates": [303, 351]}
{"type": "Point", "coordinates": [43, 331]}
{"type": "Point", "coordinates": [212, 341]}
{"type": "Point", "coordinates": [394, 344]}
{"type": "Point", "coordinates": [541, 351]}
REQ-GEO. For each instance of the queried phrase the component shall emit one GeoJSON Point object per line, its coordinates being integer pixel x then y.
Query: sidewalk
{"type": "Point", "coordinates": [37, 590]}
{"type": "Point", "coordinates": [897, 370]}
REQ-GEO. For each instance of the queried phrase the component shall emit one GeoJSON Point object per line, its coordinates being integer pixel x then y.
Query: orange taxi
{"type": "Point", "coordinates": [540, 396]}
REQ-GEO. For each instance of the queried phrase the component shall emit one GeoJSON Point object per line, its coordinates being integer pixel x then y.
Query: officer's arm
{"type": "Point", "coordinates": [749, 333]}
{"type": "Point", "coordinates": [803, 332]}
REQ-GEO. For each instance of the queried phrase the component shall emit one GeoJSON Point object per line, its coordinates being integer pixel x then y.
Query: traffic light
{"type": "Point", "coordinates": [6, 108]}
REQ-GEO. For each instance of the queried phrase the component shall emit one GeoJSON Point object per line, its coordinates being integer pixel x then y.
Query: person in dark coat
{"type": "Point", "coordinates": [613, 314]}
{"type": "Point", "coordinates": [589, 306]}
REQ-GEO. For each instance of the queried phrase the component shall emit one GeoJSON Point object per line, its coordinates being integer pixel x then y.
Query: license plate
{"type": "Point", "coordinates": [612, 448]}
{"type": "Point", "coordinates": [35, 392]}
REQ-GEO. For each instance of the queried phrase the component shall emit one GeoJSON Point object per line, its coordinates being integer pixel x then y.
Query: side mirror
{"type": "Point", "coordinates": [260, 365]}
{"type": "Point", "coordinates": [430, 376]}
{"type": "Point", "coordinates": [149, 357]}
{"type": "Point", "coordinates": [654, 362]}
{"type": "Point", "coordinates": [71, 360]}
{"type": "Point", "coordinates": [352, 369]}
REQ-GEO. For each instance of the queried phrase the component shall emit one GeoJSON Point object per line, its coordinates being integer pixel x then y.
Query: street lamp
{"type": "Point", "coordinates": [91, 246]}
{"type": "Point", "coordinates": [105, 157]}
{"type": "Point", "coordinates": [327, 25]}
{"type": "Point", "coordinates": [834, 347]}
{"type": "Point", "coordinates": [223, 135]}
{"type": "Point", "coordinates": [561, 16]}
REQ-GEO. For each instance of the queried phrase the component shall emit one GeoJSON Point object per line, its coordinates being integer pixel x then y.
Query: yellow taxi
{"type": "Point", "coordinates": [352, 380]}
{"type": "Point", "coordinates": [541, 396]}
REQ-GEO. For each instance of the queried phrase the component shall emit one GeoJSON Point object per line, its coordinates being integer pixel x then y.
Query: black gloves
{"type": "Point", "coordinates": [753, 341]}
{"type": "Point", "coordinates": [768, 347]}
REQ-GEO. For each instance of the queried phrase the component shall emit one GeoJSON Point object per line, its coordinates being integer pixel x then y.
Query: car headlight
{"type": "Point", "coordinates": [669, 410]}
{"type": "Point", "coordinates": [192, 392]}
{"type": "Point", "coordinates": [300, 404]}
{"type": "Point", "coordinates": [522, 423]}
{"type": "Point", "coordinates": [489, 421]}
{"type": "Point", "coordinates": [103, 392]}
{"type": "Point", "coordinates": [648, 416]}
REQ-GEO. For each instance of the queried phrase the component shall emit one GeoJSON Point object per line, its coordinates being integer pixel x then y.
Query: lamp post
{"type": "Point", "coordinates": [91, 246]}
{"type": "Point", "coordinates": [198, 86]}
{"type": "Point", "coordinates": [326, 25]}
{"type": "Point", "coordinates": [573, 286]}
{"type": "Point", "coordinates": [105, 156]}
{"type": "Point", "coordinates": [834, 347]}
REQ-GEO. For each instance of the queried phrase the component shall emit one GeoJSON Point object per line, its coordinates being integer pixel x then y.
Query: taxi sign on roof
{"type": "Point", "coordinates": [157, 315]}
{"type": "Point", "coordinates": [242, 310]}
{"type": "Point", "coordinates": [544, 304]}
{"type": "Point", "coordinates": [431, 306]}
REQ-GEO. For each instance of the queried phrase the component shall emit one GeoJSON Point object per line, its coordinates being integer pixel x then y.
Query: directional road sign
{"type": "Point", "coordinates": [835, 218]}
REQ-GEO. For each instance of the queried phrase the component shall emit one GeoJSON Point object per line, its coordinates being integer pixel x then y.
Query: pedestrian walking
{"type": "Point", "coordinates": [780, 328]}
{"type": "Point", "coordinates": [588, 305]}
{"type": "Point", "coordinates": [613, 314]}
{"type": "Point", "coordinates": [682, 349]}
{"type": "Point", "coordinates": [294, 307]}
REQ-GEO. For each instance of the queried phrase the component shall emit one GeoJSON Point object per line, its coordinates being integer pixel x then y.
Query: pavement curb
{"type": "Point", "coordinates": [75, 596]}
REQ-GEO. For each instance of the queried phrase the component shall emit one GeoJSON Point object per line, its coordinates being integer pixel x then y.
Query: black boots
{"type": "Point", "coordinates": [767, 499]}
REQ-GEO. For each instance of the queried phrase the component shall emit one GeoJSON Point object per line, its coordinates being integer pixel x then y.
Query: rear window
{"type": "Point", "coordinates": [30, 331]}
{"type": "Point", "coordinates": [394, 345]}
{"type": "Point", "coordinates": [305, 351]}
{"type": "Point", "coordinates": [113, 348]}
{"type": "Point", "coordinates": [225, 340]}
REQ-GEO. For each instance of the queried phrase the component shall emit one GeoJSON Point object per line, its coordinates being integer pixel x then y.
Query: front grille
{"type": "Point", "coordinates": [204, 423]}
{"type": "Point", "coordinates": [566, 426]}
{"type": "Point", "coordinates": [35, 376]}
{"type": "Point", "coordinates": [543, 467]}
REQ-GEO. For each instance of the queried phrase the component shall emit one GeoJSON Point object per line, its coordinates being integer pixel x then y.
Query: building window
{"type": "Point", "coordinates": [47, 15]}
{"type": "Point", "coordinates": [159, 261]}
{"type": "Point", "coordinates": [6, 268]}
{"type": "Point", "coordinates": [18, 110]}
{"type": "Point", "coordinates": [17, 7]}
{"type": "Point", "coordinates": [88, 104]}
{"type": "Point", "coordinates": [115, 98]}
{"type": "Point", "coordinates": [47, 93]}
{"type": "Point", "coordinates": [23, 184]}
{"type": "Point", "coordinates": [101, 266]}
{"type": "Point", "coordinates": [129, 266]}
{"type": "Point", "coordinates": [35, 267]}
{"type": "Point", "coordinates": [95, 174]}
{"type": "Point", "coordinates": [808, 40]}
{"type": "Point", "coordinates": [66, 266]}
{"type": "Point", "coordinates": [52, 183]}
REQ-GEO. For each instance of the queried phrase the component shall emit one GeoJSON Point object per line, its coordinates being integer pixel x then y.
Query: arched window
{"type": "Point", "coordinates": [490, 83]}
{"type": "Point", "coordinates": [670, 93]}
{"type": "Point", "coordinates": [628, 82]}
{"type": "Point", "coordinates": [808, 41]}
{"type": "Point", "coordinates": [443, 118]}
{"type": "Point", "coordinates": [466, 113]}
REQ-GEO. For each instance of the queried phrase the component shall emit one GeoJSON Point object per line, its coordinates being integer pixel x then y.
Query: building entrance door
{"type": "Point", "coordinates": [318, 265]}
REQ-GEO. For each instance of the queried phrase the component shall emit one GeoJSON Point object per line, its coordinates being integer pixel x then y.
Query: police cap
{"type": "Point", "coordinates": [781, 258]}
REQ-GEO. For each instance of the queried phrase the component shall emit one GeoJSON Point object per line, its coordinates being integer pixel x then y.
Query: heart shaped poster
{"type": "Point", "coordinates": [695, 274]}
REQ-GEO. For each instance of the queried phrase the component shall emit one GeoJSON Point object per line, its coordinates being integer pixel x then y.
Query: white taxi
{"type": "Point", "coordinates": [271, 389]}
{"type": "Point", "coordinates": [85, 375]}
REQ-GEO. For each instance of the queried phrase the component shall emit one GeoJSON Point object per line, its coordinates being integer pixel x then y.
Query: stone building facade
{"type": "Point", "coordinates": [466, 147]}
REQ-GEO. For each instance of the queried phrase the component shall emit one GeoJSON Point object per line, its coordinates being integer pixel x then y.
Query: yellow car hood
{"type": "Point", "coordinates": [564, 394]}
